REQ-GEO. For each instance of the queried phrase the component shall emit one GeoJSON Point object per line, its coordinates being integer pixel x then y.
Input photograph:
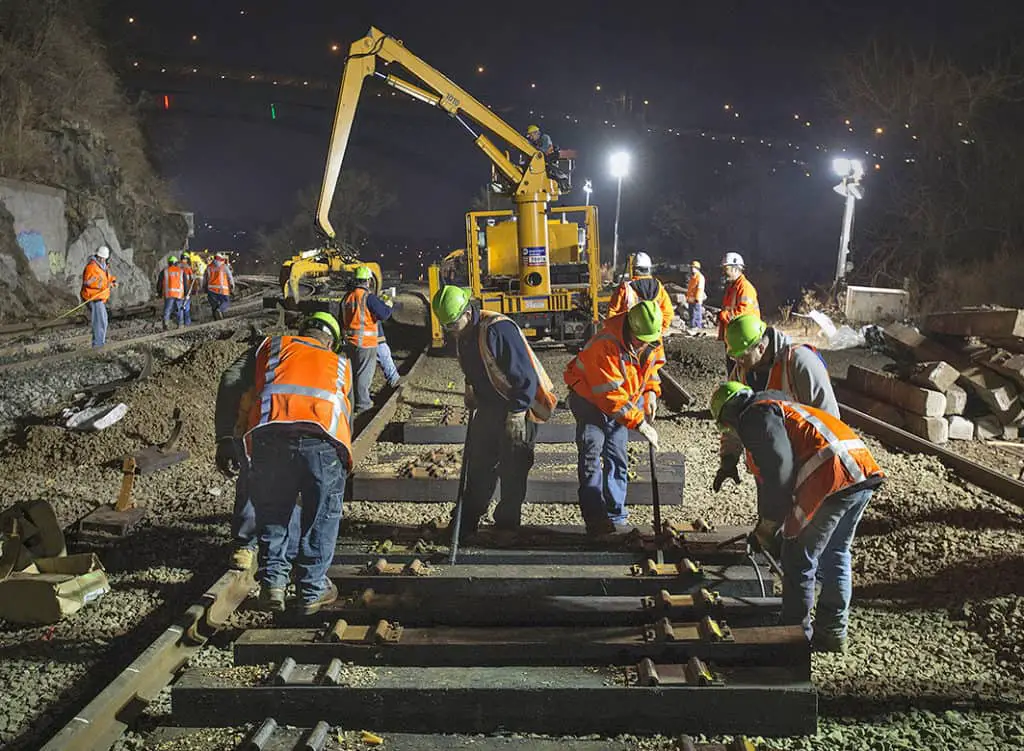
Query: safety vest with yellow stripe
{"type": "Point", "coordinates": [828, 456]}
{"type": "Point", "coordinates": [616, 380]}
{"type": "Point", "coordinates": [174, 282]}
{"type": "Point", "coordinates": [544, 401]}
{"type": "Point", "coordinates": [300, 381]}
{"type": "Point", "coordinates": [358, 324]}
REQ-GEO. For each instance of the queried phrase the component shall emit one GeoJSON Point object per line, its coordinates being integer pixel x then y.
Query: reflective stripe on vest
{"type": "Point", "coordinates": [835, 447]}
{"type": "Point", "coordinates": [174, 282]}
{"type": "Point", "coordinates": [95, 282]}
{"type": "Point", "coordinates": [217, 280]}
{"type": "Point", "coordinates": [544, 400]}
{"type": "Point", "coordinates": [358, 325]}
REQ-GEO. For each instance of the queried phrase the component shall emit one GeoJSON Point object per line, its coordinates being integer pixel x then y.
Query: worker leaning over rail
{"type": "Point", "coordinates": [510, 392]}
{"type": "Point", "coordinates": [219, 283]}
{"type": "Point", "coordinates": [97, 282]}
{"type": "Point", "coordinates": [765, 359]}
{"type": "Point", "coordinates": [361, 310]}
{"type": "Point", "coordinates": [641, 287]}
{"type": "Point", "coordinates": [740, 296]}
{"type": "Point", "coordinates": [696, 295]}
{"type": "Point", "coordinates": [298, 441]}
{"type": "Point", "coordinates": [814, 479]}
{"type": "Point", "coordinates": [614, 386]}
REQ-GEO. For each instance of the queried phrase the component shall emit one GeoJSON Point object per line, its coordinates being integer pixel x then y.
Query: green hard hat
{"type": "Point", "coordinates": [723, 394]}
{"type": "Point", "coordinates": [324, 322]}
{"type": "Point", "coordinates": [743, 332]}
{"type": "Point", "coordinates": [449, 303]}
{"type": "Point", "coordinates": [645, 321]}
{"type": "Point", "coordinates": [172, 259]}
{"type": "Point", "coordinates": [363, 274]}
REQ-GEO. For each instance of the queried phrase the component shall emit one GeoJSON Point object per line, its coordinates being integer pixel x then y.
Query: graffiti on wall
{"type": "Point", "coordinates": [32, 244]}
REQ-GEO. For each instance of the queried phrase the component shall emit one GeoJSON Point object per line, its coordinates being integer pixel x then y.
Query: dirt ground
{"type": "Point", "coordinates": [936, 646]}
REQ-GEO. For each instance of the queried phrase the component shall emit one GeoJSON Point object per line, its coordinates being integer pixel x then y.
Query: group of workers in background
{"type": "Point", "coordinates": [183, 277]}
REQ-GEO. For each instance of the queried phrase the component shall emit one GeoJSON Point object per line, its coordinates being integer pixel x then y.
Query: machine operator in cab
{"type": "Point", "coordinates": [541, 141]}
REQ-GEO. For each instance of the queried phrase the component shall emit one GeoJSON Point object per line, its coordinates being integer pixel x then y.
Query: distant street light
{"type": "Point", "coordinates": [620, 168]}
{"type": "Point", "coordinates": [851, 171]}
{"type": "Point", "coordinates": [588, 189]}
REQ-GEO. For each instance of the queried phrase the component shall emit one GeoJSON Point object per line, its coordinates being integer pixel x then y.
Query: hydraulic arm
{"type": "Point", "coordinates": [533, 188]}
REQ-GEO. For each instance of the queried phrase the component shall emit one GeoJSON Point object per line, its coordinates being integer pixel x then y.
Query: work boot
{"type": "Point", "coordinates": [243, 559]}
{"type": "Point", "coordinates": [505, 537]}
{"type": "Point", "coordinates": [271, 599]}
{"type": "Point", "coordinates": [329, 595]}
{"type": "Point", "coordinates": [218, 316]}
{"type": "Point", "coordinates": [824, 642]}
{"type": "Point", "coordinates": [600, 527]}
{"type": "Point", "coordinates": [165, 326]}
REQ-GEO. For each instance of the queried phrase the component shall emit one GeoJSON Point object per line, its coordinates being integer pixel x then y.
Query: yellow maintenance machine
{"type": "Point", "coordinates": [540, 268]}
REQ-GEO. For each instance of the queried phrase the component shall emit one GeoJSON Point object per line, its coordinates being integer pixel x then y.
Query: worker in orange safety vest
{"type": "Point", "coordinates": [97, 282]}
{"type": "Point", "coordinates": [814, 479]}
{"type": "Point", "coordinates": [219, 283]}
{"type": "Point", "coordinates": [696, 295]}
{"type": "Point", "coordinates": [641, 287]}
{"type": "Point", "coordinates": [614, 387]}
{"type": "Point", "coordinates": [360, 312]}
{"type": "Point", "coordinates": [297, 441]}
{"type": "Point", "coordinates": [173, 285]}
{"type": "Point", "coordinates": [740, 296]}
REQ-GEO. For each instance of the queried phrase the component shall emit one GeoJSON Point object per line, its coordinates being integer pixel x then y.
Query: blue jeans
{"type": "Point", "coordinates": [822, 551]}
{"type": "Point", "coordinates": [283, 466]}
{"type": "Point", "coordinates": [603, 462]}
{"type": "Point", "coordinates": [174, 306]}
{"type": "Point", "coordinates": [243, 518]}
{"type": "Point", "coordinates": [387, 363]}
{"type": "Point", "coordinates": [218, 303]}
{"type": "Point", "coordinates": [696, 315]}
{"type": "Point", "coordinates": [98, 319]}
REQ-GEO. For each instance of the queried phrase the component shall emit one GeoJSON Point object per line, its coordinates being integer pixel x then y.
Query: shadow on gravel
{"type": "Point", "coordinates": [970, 519]}
{"type": "Point", "coordinates": [952, 586]}
{"type": "Point", "coordinates": [931, 698]}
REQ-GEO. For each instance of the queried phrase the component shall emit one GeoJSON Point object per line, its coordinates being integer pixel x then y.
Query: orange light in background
{"type": "Point", "coordinates": [167, 102]}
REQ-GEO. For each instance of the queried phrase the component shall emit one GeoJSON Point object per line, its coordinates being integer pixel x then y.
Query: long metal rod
{"type": "Point", "coordinates": [615, 241]}
{"type": "Point", "coordinates": [460, 496]}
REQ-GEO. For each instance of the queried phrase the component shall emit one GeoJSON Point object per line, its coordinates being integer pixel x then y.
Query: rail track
{"type": "Point", "coordinates": [550, 633]}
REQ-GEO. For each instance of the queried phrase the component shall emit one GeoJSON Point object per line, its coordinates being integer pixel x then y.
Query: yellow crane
{"type": "Point", "coordinates": [537, 266]}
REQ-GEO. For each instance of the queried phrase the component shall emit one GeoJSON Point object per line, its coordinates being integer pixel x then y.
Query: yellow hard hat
{"type": "Point", "coordinates": [533, 129]}
{"type": "Point", "coordinates": [695, 264]}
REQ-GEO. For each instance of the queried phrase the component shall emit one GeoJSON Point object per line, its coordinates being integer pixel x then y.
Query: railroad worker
{"type": "Point", "coordinates": [219, 283]}
{"type": "Point", "coordinates": [510, 393]}
{"type": "Point", "coordinates": [614, 386]}
{"type": "Point", "coordinates": [384, 358]}
{"type": "Point", "coordinates": [814, 479]}
{"type": "Point", "coordinates": [696, 295]}
{"type": "Point", "coordinates": [641, 287]}
{"type": "Point", "coordinates": [97, 282]}
{"type": "Point", "coordinates": [765, 359]}
{"type": "Point", "coordinates": [298, 441]}
{"type": "Point", "coordinates": [740, 296]}
{"type": "Point", "coordinates": [361, 310]}
{"type": "Point", "coordinates": [540, 141]}
{"type": "Point", "coordinates": [171, 286]}
{"type": "Point", "coordinates": [190, 286]}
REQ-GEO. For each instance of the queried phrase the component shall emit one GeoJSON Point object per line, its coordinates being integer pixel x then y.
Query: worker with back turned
{"type": "Point", "coordinates": [765, 359]}
{"type": "Point", "coordinates": [814, 479]}
{"type": "Point", "coordinates": [510, 393]}
{"type": "Point", "coordinates": [361, 310]}
{"type": "Point", "coordinates": [298, 442]}
{"type": "Point", "coordinates": [614, 386]}
{"type": "Point", "coordinates": [642, 286]}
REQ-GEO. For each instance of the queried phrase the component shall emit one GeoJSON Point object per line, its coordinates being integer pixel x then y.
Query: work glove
{"type": "Point", "coordinates": [227, 458]}
{"type": "Point", "coordinates": [515, 428]}
{"type": "Point", "coordinates": [765, 538]}
{"type": "Point", "coordinates": [652, 406]}
{"type": "Point", "coordinates": [647, 431]}
{"type": "Point", "coordinates": [727, 470]}
{"type": "Point", "coordinates": [469, 398]}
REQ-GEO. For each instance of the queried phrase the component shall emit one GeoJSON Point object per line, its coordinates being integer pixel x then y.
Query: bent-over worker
{"type": "Point", "coordinates": [298, 441]}
{"type": "Point", "coordinates": [361, 310]}
{"type": "Point", "coordinates": [510, 393]}
{"type": "Point", "coordinates": [765, 359]}
{"type": "Point", "coordinates": [614, 386]}
{"type": "Point", "coordinates": [814, 479]}
{"type": "Point", "coordinates": [97, 282]}
{"type": "Point", "coordinates": [641, 287]}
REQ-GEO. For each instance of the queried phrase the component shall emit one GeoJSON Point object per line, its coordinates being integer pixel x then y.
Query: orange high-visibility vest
{"type": "Point", "coordinates": [780, 377]}
{"type": "Point", "coordinates": [740, 297]}
{"type": "Point", "coordinates": [299, 380]}
{"type": "Point", "coordinates": [358, 325]}
{"type": "Point", "coordinates": [614, 379]}
{"type": "Point", "coordinates": [626, 296]}
{"type": "Point", "coordinates": [544, 401]}
{"type": "Point", "coordinates": [218, 278]}
{"type": "Point", "coordinates": [174, 282]}
{"type": "Point", "coordinates": [695, 288]}
{"type": "Point", "coordinates": [827, 455]}
{"type": "Point", "coordinates": [96, 282]}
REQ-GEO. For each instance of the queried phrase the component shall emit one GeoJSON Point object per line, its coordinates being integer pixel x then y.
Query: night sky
{"type": "Point", "coordinates": [768, 61]}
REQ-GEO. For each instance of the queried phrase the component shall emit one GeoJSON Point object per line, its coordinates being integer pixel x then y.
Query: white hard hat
{"type": "Point", "coordinates": [642, 261]}
{"type": "Point", "coordinates": [103, 251]}
{"type": "Point", "coordinates": [733, 259]}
